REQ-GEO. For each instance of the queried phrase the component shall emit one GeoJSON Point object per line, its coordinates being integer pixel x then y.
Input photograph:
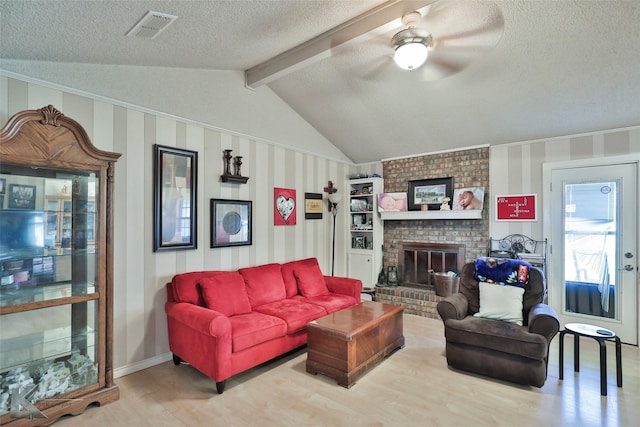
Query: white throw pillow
{"type": "Point", "coordinates": [501, 302]}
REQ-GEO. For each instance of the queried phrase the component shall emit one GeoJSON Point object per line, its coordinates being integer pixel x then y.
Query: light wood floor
{"type": "Point", "coordinates": [412, 387]}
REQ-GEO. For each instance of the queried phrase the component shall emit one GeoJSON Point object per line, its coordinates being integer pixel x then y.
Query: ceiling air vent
{"type": "Point", "coordinates": [151, 24]}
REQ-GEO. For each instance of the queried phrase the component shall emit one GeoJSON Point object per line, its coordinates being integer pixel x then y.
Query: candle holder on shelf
{"type": "Point", "coordinates": [228, 176]}
{"type": "Point", "coordinates": [227, 162]}
{"type": "Point", "coordinates": [238, 163]}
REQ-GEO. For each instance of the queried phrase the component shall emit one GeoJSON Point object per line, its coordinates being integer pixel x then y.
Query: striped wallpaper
{"type": "Point", "coordinates": [140, 325]}
{"type": "Point", "coordinates": [140, 274]}
{"type": "Point", "coordinates": [517, 168]}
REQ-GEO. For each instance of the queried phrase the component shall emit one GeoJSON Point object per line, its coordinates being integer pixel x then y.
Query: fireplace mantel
{"type": "Point", "coordinates": [434, 214]}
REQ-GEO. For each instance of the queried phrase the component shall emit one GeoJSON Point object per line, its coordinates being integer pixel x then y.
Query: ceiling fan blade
{"type": "Point", "coordinates": [477, 24]}
{"type": "Point", "coordinates": [436, 69]}
{"type": "Point", "coordinates": [379, 67]}
{"type": "Point", "coordinates": [462, 31]}
{"type": "Point", "coordinates": [355, 56]}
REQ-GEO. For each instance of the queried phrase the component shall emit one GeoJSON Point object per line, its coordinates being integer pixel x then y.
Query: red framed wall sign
{"type": "Point", "coordinates": [519, 207]}
{"type": "Point", "coordinates": [284, 206]}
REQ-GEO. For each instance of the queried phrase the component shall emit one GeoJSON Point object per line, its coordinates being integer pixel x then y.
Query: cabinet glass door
{"type": "Point", "coordinates": [51, 350]}
{"type": "Point", "coordinates": [50, 285]}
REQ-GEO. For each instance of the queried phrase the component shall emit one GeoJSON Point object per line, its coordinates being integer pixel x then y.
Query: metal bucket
{"type": "Point", "coordinates": [446, 285]}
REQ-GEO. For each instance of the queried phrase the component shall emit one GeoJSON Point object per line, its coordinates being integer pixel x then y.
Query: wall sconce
{"type": "Point", "coordinates": [330, 189]}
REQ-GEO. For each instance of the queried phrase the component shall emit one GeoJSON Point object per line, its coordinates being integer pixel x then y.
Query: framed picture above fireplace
{"type": "Point", "coordinates": [428, 194]}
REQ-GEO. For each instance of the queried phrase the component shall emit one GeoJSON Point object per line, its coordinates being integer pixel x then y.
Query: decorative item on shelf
{"type": "Point", "coordinates": [359, 242]}
{"type": "Point", "coordinates": [359, 205]}
{"type": "Point", "coordinates": [228, 176]}
{"type": "Point", "coordinates": [392, 202]}
{"type": "Point", "coordinates": [238, 163]}
{"type": "Point", "coordinates": [392, 275]}
{"type": "Point", "coordinates": [470, 198]}
{"type": "Point", "coordinates": [227, 162]}
{"type": "Point", "coordinates": [358, 176]}
{"type": "Point", "coordinates": [429, 192]}
{"type": "Point", "coordinates": [445, 204]}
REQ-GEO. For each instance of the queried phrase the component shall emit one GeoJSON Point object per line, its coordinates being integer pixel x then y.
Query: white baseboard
{"type": "Point", "coordinates": [144, 364]}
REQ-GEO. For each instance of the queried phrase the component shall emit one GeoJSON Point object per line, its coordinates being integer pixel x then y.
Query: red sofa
{"type": "Point", "coordinates": [225, 322]}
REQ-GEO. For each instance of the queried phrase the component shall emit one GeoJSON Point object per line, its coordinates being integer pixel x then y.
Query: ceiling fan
{"type": "Point", "coordinates": [443, 39]}
{"type": "Point", "coordinates": [411, 45]}
{"type": "Point", "coordinates": [452, 32]}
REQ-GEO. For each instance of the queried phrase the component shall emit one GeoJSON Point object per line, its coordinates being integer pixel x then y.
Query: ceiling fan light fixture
{"type": "Point", "coordinates": [411, 48]}
{"type": "Point", "coordinates": [411, 55]}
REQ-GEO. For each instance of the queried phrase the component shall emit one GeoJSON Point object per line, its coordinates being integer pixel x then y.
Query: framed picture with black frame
{"type": "Point", "coordinates": [22, 196]}
{"type": "Point", "coordinates": [175, 187]}
{"type": "Point", "coordinates": [430, 192]}
{"type": "Point", "coordinates": [231, 223]}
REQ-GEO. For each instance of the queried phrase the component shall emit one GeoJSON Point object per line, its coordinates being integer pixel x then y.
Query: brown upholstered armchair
{"type": "Point", "coordinates": [498, 348]}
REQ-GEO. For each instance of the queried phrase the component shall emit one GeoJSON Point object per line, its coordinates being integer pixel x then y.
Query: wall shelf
{"type": "Point", "coordinates": [234, 178]}
{"type": "Point", "coordinates": [418, 215]}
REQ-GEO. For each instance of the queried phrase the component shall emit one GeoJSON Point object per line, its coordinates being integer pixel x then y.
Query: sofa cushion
{"type": "Point", "coordinates": [496, 335]}
{"type": "Point", "coordinates": [310, 280]}
{"type": "Point", "coordinates": [290, 281]}
{"type": "Point", "coordinates": [248, 330]}
{"type": "Point", "coordinates": [186, 289]}
{"type": "Point", "coordinates": [295, 313]}
{"type": "Point", "coordinates": [226, 293]}
{"type": "Point", "coordinates": [330, 302]}
{"type": "Point", "coordinates": [500, 302]}
{"type": "Point", "coordinates": [264, 284]}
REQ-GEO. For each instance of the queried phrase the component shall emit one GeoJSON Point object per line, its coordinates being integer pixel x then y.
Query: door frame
{"type": "Point", "coordinates": [547, 207]}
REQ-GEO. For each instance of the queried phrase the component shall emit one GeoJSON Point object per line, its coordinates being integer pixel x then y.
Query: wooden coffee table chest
{"type": "Point", "coordinates": [344, 344]}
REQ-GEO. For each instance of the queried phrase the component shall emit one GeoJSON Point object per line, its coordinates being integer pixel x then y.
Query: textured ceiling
{"type": "Point", "coordinates": [559, 67]}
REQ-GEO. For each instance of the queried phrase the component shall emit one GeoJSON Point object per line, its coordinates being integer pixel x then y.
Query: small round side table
{"type": "Point", "coordinates": [601, 335]}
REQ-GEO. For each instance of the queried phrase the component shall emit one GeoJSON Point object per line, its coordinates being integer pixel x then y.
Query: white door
{"type": "Point", "coordinates": [593, 266]}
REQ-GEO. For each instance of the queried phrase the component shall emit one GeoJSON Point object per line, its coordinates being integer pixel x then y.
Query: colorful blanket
{"type": "Point", "coordinates": [503, 271]}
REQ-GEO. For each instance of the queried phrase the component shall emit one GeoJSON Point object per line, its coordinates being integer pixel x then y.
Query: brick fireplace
{"type": "Point", "coordinates": [469, 168]}
{"type": "Point", "coordinates": [417, 260]}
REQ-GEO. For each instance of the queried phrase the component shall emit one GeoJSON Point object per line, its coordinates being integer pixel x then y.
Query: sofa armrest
{"type": "Point", "coordinates": [201, 337]}
{"type": "Point", "coordinates": [454, 306]}
{"type": "Point", "coordinates": [200, 319]}
{"type": "Point", "coordinates": [344, 286]}
{"type": "Point", "coordinates": [543, 320]}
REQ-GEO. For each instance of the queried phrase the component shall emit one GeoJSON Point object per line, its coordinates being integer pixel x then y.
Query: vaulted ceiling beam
{"type": "Point", "coordinates": [320, 47]}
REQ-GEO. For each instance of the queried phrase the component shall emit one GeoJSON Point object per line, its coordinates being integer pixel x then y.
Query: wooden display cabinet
{"type": "Point", "coordinates": [56, 266]}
